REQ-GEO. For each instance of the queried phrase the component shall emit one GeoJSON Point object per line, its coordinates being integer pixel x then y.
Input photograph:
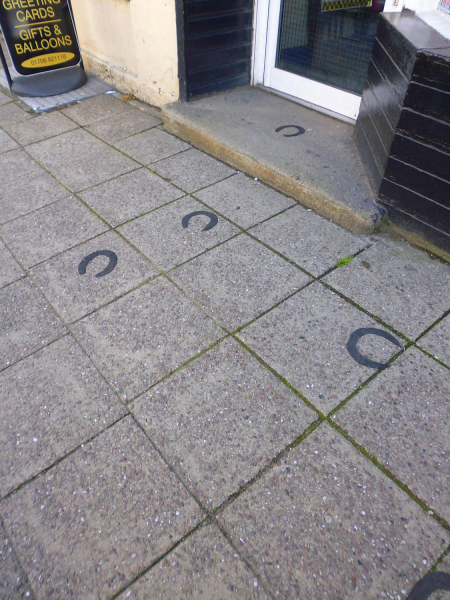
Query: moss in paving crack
{"type": "Point", "coordinates": [344, 261]}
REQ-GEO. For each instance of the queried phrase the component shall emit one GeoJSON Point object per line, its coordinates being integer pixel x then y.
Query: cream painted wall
{"type": "Point", "coordinates": [131, 44]}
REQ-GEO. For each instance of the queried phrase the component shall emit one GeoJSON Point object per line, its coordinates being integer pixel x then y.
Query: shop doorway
{"type": "Point", "coordinates": [316, 51]}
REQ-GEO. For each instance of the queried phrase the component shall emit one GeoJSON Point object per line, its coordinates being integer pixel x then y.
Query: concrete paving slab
{"type": "Point", "coordinates": [192, 170]}
{"type": "Point", "coordinates": [25, 186]}
{"type": "Point", "coordinates": [53, 401]}
{"type": "Point", "coordinates": [150, 146]}
{"type": "Point", "coordinates": [51, 230]}
{"type": "Point", "coordinates": [221, 419]}
{"type": "Point", "coordinates": [402, 418]}
{"type": "Point", "coordinates": [110, 509]}
{"type": "Point", "coordinates": [312, 242]}
{"type": "Point", "coordinates": [244, 200]}
{"type": "Point", "coordinates": [74, 295]}
{"type": "Point", "coordinates": [28, 322]}
{"type": "Point", "coordinates": [130, 196]}
{"type": "Point", "coordinates": [203, 566]}
{"type": "Point", "coordinates": [97, 108]}
{"type": "Point", "coordinates": [4, 98]}
{"type": "Point", "coordinates": [397, 283]}
{"type": "Point", "coordinates": [305, 340]}
{"type": "Point", "coordinates": [320, 167]}
{"type": "Point", "coordinates": [239, 280]}
{"type": "Point", "coordinates": [41, 127]}
{"type": "Point", "coordinates": [114, 129]}
{"type": "Point", "coordinates": [326, 523]}
{"type": "Point", "coordinates": [79, 160]}
{"type": "Point", "coordinates": [437, 341]}
{"type": "Point", "coordinates": [162, 237]}
{"type": "Point", "coordinates": [13, 581]}
{"type": "Point", "coordinates": [140, 338]}
{"type": "Point", "coordinates": [6, 142]}
{"type": "Point", "coordinates": [10, 113]}
{"type": "Point", "coordinates": [10, 269]}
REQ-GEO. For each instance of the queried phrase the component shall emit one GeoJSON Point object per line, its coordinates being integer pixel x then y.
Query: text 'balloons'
{"type": "Point", "coordinates": [213, 220]}
{"type": "Point", "coordinates": [109, 267]}
{"type": "Point", "coordinates": [356, 354]}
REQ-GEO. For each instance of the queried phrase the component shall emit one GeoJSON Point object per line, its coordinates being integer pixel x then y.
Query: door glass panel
{"type": "Point", "coordinates": [328, 41]}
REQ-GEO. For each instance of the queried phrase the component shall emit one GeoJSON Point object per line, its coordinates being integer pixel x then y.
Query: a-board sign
{"type": "Point", "coordinates": [40, 35]}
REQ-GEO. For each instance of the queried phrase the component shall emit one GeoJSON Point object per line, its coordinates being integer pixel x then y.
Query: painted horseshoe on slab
{"type": "Point", "coordinates": [299, 131]}
{"type": "Point", "coordinates": [109, 267]}
{"type": "Point", "coordinates": [213, 220]}
{"type": "Point", "coordinates": [356, 354]}
{"type": "Point", "coordinates": [430, 584]}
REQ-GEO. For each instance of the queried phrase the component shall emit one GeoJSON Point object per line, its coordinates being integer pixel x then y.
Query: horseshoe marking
{"type": "Point", "coordinates": [109, 267]}
{"type": "Point", "coordinates": [429, 584]}
{"type": "Point", "coordinates": [356, 354]}
{"type": "Point", "coordinates": [300, 130]}
{"type": "Point", "coordinates": [213, 220]}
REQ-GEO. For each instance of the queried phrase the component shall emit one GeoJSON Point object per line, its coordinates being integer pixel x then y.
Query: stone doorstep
{"type": "Point", "coordinates": [239, 128]}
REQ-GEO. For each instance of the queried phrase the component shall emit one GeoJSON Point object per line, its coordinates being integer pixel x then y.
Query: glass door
{"type": "Point", "coordinates": [319, 51]}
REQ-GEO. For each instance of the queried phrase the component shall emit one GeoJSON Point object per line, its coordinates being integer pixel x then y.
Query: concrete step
{"type": "Point", "coordinates": [320, 167]}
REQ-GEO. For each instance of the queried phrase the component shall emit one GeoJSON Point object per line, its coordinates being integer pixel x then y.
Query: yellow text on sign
{"type": "Point", "coordinates": [48, 60]}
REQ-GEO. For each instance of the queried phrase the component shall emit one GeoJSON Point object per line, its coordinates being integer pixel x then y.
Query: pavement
{"type": "Point", "coordinates": [208, 390]}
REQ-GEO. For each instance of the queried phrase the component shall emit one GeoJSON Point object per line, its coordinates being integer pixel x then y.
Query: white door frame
{"type": "Point", "coordinates": [306, 91]}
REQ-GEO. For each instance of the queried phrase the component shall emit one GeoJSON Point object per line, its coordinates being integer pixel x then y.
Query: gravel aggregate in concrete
{"type": "Point", "coordinates": [244, 200]}
{"type": "Point", "coordinates": [150, 146]}
{"type": "Point", "coordinates": [96, 109]}
{"type": "Point", "coordinates": [437, 341]}
{"type": "Point", "coordinates": [28, 322]}
{"type": "Point", "coordinates": [203, 566]}
{"type": "Point", "coordinates": [192, 170]}
{"type": "Point", "coordinates": [403, 419]}
{"type": "Point", "coordinates": [400, 284]}
{"type": "Point", "coordinates": [110, 509]}
{"type": "Point", "coordinates": [50, 230]}
{"type": "Point", "coordinates": [221, 419]}
{"type": "Point", "coordinates": [6, 142]}
{"type": "Point", "coordinates": [326, 523]}
{"type": "Point", "coordinates": [304, 339]}
{"type": "Point", "coordinates": [314, 243]}
{"type": "Point", "coordinates": [53, 401]}
{"type": "Point", "coordinates": [25, 186]}
{"type": "Point", "coordinates": [80, 160]}
{"type": "Point", "coordinates": [10, 114]}
{"type": "Point", "coordinates": [74, 295]}
{"type": "Point", "coordinates": [161, 236]}
{"type": "Point", "coordinates": [41, 127]}
{"type": "Point", "coordinates": [129, 196]}
{"type": "Point", "coordinates": [239, 280]}
{"type": "Point", "coordinates": [9, 269]}
{"type": "Point", "coordinates": [4, 99]}
{"type": "Point", "coordinates": [13, 582]}
{"type": "Point", "coordinates": [114, 129]}
{"type": "Point", "coordinates": [145, 335]}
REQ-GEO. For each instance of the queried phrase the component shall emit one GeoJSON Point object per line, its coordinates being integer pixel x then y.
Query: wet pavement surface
{"type": "Point", "coordinates": [207, 390]}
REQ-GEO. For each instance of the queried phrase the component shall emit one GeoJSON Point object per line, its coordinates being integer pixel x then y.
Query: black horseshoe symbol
{"type": "Point", "coordinates": [109, 267]}
{"type": "Point", "coordinates": [429, 584]}
{"type": "Point", "coordinates": [213, 220]}
{"type": "Point", "coordinates": [300, 130]}
{"type": "Point", "coordinates": [356, 354]}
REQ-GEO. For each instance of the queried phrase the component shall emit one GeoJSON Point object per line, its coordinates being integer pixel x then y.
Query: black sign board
{"type": "Point", "coordinates": [40, 35]}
